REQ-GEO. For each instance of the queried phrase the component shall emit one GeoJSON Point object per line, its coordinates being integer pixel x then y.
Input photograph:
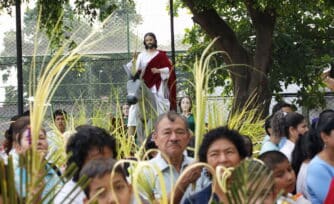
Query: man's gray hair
{"type": "Point", "coordinates": [172, 116]}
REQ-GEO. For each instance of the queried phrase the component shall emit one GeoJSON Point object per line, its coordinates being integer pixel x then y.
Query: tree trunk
{"type": "Point", "coordinates": [249, 76]}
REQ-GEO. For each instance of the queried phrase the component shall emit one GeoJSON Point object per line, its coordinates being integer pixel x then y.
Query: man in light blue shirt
{"type": "Point", "coordinates": [172, 136]}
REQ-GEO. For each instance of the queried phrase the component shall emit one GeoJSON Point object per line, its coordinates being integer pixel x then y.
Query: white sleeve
{"type": "Point", "coordinates": [129, 65]}
{"type": "Point", "coordinates": [164, 73]}
{"type": "Point", "coordinates": [139, 62]}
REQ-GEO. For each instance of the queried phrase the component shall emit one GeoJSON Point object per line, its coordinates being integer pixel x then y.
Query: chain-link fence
{"type": "Point", "coordinates": [100, 74]}
{"type": "Point", "coordinates": [91, 81]}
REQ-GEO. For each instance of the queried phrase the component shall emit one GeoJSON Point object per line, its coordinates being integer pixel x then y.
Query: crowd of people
{"type": "Point", "coordinates": [300, 156]}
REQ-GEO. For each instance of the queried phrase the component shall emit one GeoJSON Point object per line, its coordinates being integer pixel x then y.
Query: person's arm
{"type": "Point", "coordinates": [318, 182]}
{"type": "Point", "coordinates": [164, 72]}
{"type": "Point", "coordinates": [186, 180]}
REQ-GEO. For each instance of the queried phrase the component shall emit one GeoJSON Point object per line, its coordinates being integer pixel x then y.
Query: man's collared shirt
{"type": "Point", "coordinates": [170, 176]}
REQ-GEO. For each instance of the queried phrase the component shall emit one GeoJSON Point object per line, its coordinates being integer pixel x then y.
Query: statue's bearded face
{"type": "Point", "coordinates": [150, 42]}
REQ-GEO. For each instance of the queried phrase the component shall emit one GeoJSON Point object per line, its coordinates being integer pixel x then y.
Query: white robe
{"type": "Point", "coordinates": [162, 102]}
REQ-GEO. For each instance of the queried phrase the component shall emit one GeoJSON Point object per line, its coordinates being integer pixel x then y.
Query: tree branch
{"type": "Point", "coordinates": [215, 26]}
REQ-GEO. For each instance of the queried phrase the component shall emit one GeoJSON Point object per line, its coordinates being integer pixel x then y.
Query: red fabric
{"type": "Point", "coordinates": [330, 194]}
{"type": "Point", "coordinates": [160, 61]}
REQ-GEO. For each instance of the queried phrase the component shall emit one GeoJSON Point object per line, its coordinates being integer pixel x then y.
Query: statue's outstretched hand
{"type": "Point", "coordinates": [135, 55]}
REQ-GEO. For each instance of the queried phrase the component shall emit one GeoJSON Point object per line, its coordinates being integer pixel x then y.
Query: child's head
{"type": "Point", "coordinates": [88, 143]}
{"type": "Point", "coordinates": [278, 124]}
{"type": "Point", "coordinates": [295, 125]}
{"type": "Point", "coordinates": [284, 175]}
{"type": "Point", "coordinates": [114, 189]}
{"type": "Point", "coordinates": [22, 136]}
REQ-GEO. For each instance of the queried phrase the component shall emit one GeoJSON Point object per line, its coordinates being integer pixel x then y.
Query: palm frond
{"type": "Point", "coordinates": [249, 183]}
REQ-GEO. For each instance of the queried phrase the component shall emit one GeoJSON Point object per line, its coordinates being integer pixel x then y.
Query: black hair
{"type": "Point", "coordinates": [150, 144]}
{"type": "Point", "coordinates": [306, 147]}
{"type": "Point", "coordinates": [278, 124]}
{"type": "Point", "coordinates": [155, 40]}
{"type": "Point", "coordinates": [19, 126]}
{"type": "Point", "coordinates": [267, 124]}
{"type": "Point", "coordinates": [9, 137]}
{"type": "Point", "coordinates": [172, 116]}
{"type": "Point", "coordinates": [327, 127]}
{"type": "Point", "coordinates": [222, 133]}
{"type": "Point", "coordinates": [191, 102]}
{"type": "Point", "coordinates": [59, 112]}
{"type": "Point", "coordinates": [272, 158]}
{"type": "Point", "coordinates": [26, 113]}
{"type": "Point", "coordinates": [97, 168]}
{"type": "Point", "coordinates": [324, 116]}
{"type": "Point", "coordinates": [248, 145]}
{"type": "Point", "coordinates": [279, 105]}
{"type": "Point", "coordinates": [86, 138]}
{"type": "Point", "coordinates": [292, 119]}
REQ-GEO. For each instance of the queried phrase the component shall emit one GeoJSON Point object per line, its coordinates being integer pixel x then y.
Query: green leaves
{"type": "Point", "coordinates": [301, 40]}
{"type": "Point", "coordinates": [251, 182]}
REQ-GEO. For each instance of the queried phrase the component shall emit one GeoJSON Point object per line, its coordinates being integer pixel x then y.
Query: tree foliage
{"type": "Point", "coordinates": [53, 13]}
{"type": "Point", "coordinates": [288, 42]}
{"type": "Point", "coordinates": [92, 77]}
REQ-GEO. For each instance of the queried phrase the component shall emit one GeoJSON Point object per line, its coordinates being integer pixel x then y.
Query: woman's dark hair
{"type": "Point", "coordinates": [306, 147]}
{"type": "Point", "coordinates": [324, 116]}
{"type": "Point", "coordinates": [292, 119]}
{"type": "Point", "coordinates": [155, 40]}
{"type": "Point", "coordinates": [222, 133]}
{"type": "Point", "coordinates": [327, 127]}
{"type": "Point", "coordinates": [9, 137]}
{"type": "Point", "coordinates": [86, 138]}
{"type": "Point", "coordinates": [19, 126]}
{"type": "Point", "coordinates": [191, 102]}
{"type": "Point", "coordinates": [267, 124]}
{"type": "Point", "coordinates": [278, 124]}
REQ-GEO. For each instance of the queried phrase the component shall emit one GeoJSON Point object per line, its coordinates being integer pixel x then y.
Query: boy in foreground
{"type": "Point", "coordinates": [285, 178]}
{"type": "Point", "coordinates": [105, 188]}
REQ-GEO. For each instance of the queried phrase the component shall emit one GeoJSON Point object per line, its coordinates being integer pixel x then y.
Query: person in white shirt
{"type": "Point", "coordinates": [88, 143]}
{"type": "Point", "coordinates": [296, 126]}
{"type": "Point", "coordinates": [157, 72]}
